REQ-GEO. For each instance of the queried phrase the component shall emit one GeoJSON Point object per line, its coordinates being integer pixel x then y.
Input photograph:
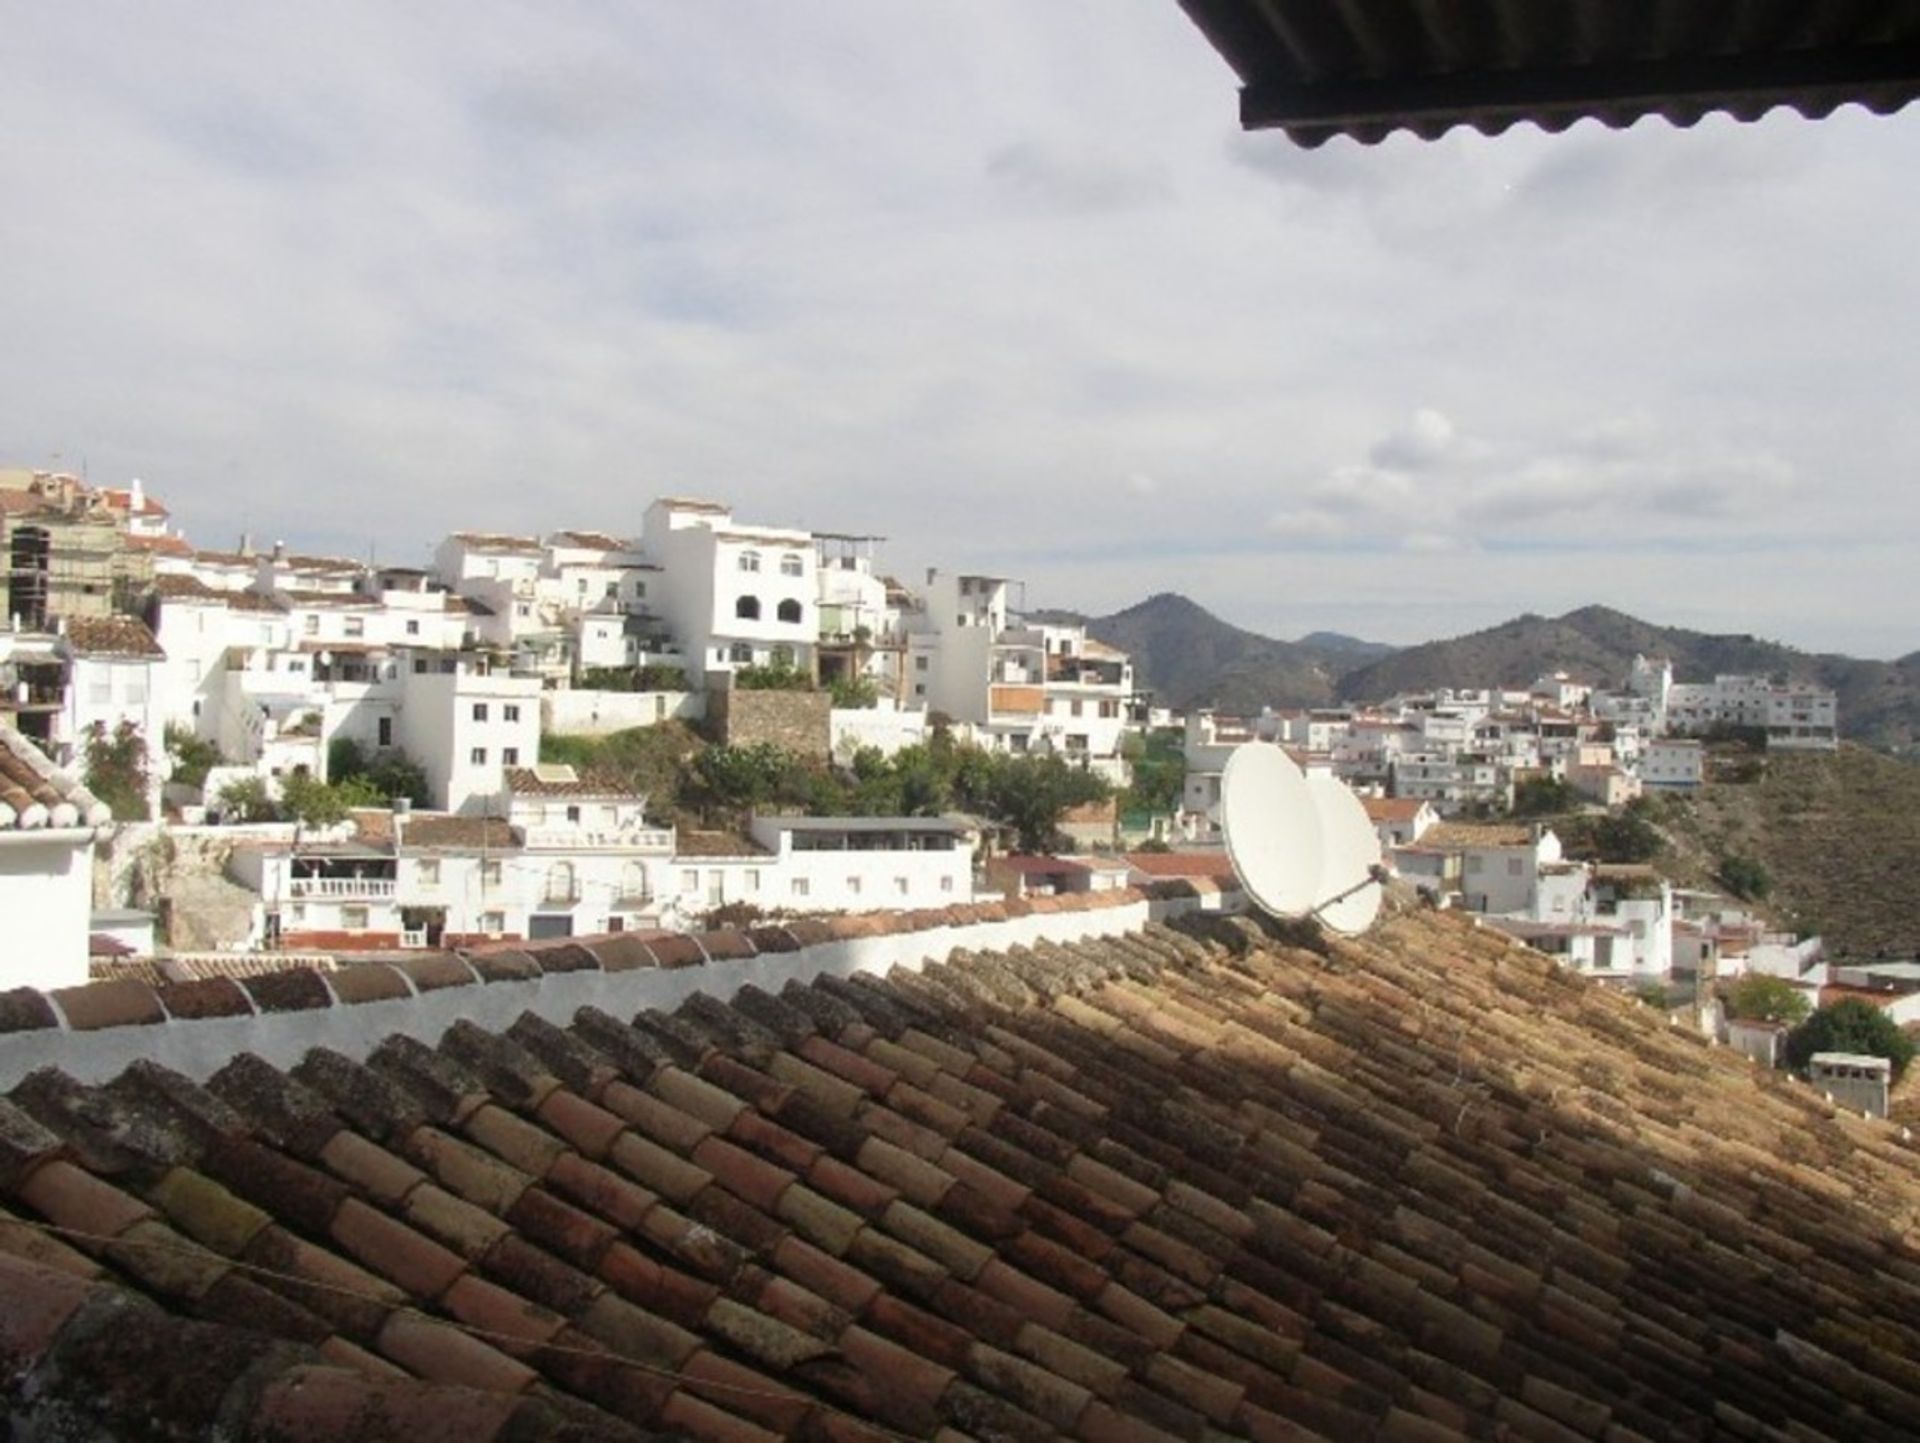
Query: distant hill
{"type": "Point", "coordinates": [1879, 700]}
{"type": "Point", "coordinates": [1351, 649]}
{"type": "Point", "coordinates": [1189, 657]}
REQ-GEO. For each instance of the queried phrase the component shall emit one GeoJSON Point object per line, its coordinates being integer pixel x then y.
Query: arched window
{"type": "Point", "coordinates": [560, 883]}
{"type": "Point", "coordinates": [747, 608]}
{"type": "Point", "coordinates": [788, 610]}
{"type": "Point", "coordinates": [633, 882]}
{"type": "Point", "coordinates": [792, 565]}
{"type": "Point", "coordinates": [749, 561]}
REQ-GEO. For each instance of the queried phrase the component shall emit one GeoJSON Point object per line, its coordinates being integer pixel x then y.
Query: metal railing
{"type": "Point", "coordinates": [350, 887]}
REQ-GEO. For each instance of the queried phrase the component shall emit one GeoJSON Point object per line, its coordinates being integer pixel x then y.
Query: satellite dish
{"type": "Point", "coordinates": [1349, 895]}
{"type": "Point", "coordinates": [1272, 829]}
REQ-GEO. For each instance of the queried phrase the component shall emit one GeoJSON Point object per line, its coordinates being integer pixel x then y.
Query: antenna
{"type": "Point", "coordinates": [1299, 844]}
{"type": "Point", "coordinates": [1350, 891]}
{"type": "Point", "coordinates": [1272, 829]}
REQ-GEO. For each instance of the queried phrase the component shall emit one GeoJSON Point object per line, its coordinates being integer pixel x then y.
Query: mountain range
{"type": "Point", "coordinates": [1189, 657]}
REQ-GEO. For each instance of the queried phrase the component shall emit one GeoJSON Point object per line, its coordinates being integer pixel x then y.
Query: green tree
{"type": "Point", "coordinates": [192, 756]}
{"type": "Point", "coordinates": [1031, 794]}
{"type": "Point", "coordinates": [1851, 1026]}
{"type": "Point", "coordinates": [776, 676]}
{"type": "Point", "coordinates": [316, 803]}
{"type": "Point", "coordinates": [117, 770]}
{"type": "Point", "coordinates": [851, 693]}
{"type": "Point", "coordinates": [1760, 998]}
{"type": "Point", "coordinates": [1654, 994]}
{"type": "Point", "coordinates": [1626, 836]}
{"type": "Point", "coordinates": [246, 799]}
{"type": "Point", "coordinates": [1745, 877]}
{"type": "Point", "coordinates": [1543, 797]}
{"type": "Point", "coordinates": [377, 778]}
{"type": "Point", "coordinates": [1159, 765]}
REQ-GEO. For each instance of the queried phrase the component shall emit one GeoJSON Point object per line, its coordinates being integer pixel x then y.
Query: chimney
{"type": "Point", "coordinates": [136, 497]}
{"type": "Point", "coordinates": [279, 550]}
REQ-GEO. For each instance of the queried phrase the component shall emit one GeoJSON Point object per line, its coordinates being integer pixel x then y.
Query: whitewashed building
{"type": "Point", "coordinates": [48, 823]}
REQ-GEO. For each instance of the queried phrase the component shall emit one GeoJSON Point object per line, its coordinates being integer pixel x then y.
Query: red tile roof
{"type": "Point", "coordinates": [1393, 809]}
{"type": "Point", "coordinates": [1214, 865]}
{"type": "Point", "coordinates": [35, 794]}
{"type": "Point", "coordinates": [125, 636]}
{"type": "Point", "coordinates": [1175, 1184]}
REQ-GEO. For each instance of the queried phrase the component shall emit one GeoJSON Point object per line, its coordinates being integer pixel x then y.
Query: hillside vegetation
{"type": "Point", "coordinates": [1838, 835]}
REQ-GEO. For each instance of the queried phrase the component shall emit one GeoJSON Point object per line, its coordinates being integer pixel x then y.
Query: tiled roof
{"type": "Point", "coordinates": [337, 565]}
{"type": "Point", "coordinates": [438, 829]}
{"type": "Point", "coordinates": [1457, 836]}
{"type": "Point", "coordinates": [119, 499]}
{"type": "Point", "coordinates": [166, 545]}
{"type": "Point", "coordinates": [1215, 865]}
{"type": "Point", "coordinates": [694, 843]}
{"type": "Point", "coordinates": [562, 781]}
{"type": "Point", "coordinates": [495, 541]}
{"type": "Point", "coordinates": [253, 601]}
{"type": "Point", "coordinates": [171, 586]}
{"type": "Point", "coordinates": [1392, 809]}
{"type": "Point", "coordinates": [35, 794]}
{"type": "Point", "coordinates": [112, 636]}
{"type": "Point", "coordinates": [1163, 1186]}
{"type": "Point", "coordinates": [588, 540]}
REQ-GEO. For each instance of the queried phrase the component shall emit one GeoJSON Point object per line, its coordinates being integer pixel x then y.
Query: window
{"type": "Point", "coordinates": [900, 886]}
{"type": "Point", "coordinates": [493, 923]}
{"type": "Point", "coordinates": [792, 565]}
{"type": "Point", "coordinates": [613, 587]}
{"type": "Point", "coordinates": [510, 756]}
{"type": "Point", "coordinates": [920, 663]}
{"type": "Point", "coordinates": [800, 888]}
{"type": "Point", "coordinates": [853, 886]}
{"type": "Point", "coordinates": [741, 653]}
{"type": "Point", "coordinates": [479, 711]}
{"type": "Point", "coordinates": [753, 879]}
{"type": "Point", "coordinates": [310, 624]}
{"type": "Point", "coordinates": [689, 881]}
{"type": "Point", "coordinates": [356, 626]}
{"type": "Point", "coordinates": [583, 586]}
{"type": "Point", "coordinates": [299, 912]}
{"type": "Point", "coordinates": [510, 712]}
{"type": "Point", "coordinates": [419, 666]}
{"type": "Point", "coordinates": [383, 732]}
{"type": "Point", "coordinates": [478, 756]}
{"type": "Point", "coordinates": [639, 588]}
{"type": "Point", "coordinates": [716, 887]}
{"type": "Point", "coordinates": [749, 561]}
{"type": "Point", "coordinates": [1076, 707]}
{"type": "Point", "coordinates": [560, 883]}
{"type": "Point", "coordinates": [747, 608]}
{"type": "Point", "coordinates": [413, 627]}
{"type": "Point", "coordinates": [788, 611]}
{"type": "Point", "coordinates": [946, 884]}
{"type": "Point", "coordinates": [353, 919]}
{"type": "Point", "coordinates": [427, 872]}
{"type": "Point", "coordinates": [490, 872]}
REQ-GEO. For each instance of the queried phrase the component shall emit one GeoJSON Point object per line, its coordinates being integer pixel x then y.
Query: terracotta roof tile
{"type": "Point", "coordinates": [1137, 1188]}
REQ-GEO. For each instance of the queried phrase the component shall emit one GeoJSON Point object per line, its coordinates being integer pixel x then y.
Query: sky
{"type": "Point", "coordinates": [1001, 282]}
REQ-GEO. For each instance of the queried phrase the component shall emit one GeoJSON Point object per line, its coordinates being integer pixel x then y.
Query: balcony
{"type": "Point", "coordinates": [351, 889]}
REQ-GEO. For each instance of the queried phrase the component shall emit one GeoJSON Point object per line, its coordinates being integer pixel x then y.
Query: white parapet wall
{"type": "Point", "coordinates": [200, 1047]}
{"type": "Point", "coordinates": [600, 713]}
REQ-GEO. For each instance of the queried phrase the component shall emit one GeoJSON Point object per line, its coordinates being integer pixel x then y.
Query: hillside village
{"type": "Point", "coordinates": [234, 685]}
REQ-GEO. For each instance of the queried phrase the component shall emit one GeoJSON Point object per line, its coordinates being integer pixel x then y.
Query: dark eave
{"type": "Point", "coordinates": [1368, 68]}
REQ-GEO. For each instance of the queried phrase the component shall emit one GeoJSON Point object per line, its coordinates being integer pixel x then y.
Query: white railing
{"type": "Point", "coordinates": [417, 938]}
{"type": "Point", "coordinates": [565, 838]}
{"type": "Point", "coordinates": [349, 887]}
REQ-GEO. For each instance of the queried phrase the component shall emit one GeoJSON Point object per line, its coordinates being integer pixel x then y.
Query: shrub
{"type": "Point", "coordinates": [117, 770]}
{"type": "Point", "coordinates": [1760, 998]}
{"type": "Point", "coordinates": [193, 757]}
{"type": "Point", "coordinates": [1851, 1026]}
{"type": "Point", "coordinates": [1745, 877]}
{"type": "Point", "coordinates": [247, 799]}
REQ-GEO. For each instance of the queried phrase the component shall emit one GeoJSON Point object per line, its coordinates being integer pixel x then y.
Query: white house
{"type": "Point", "coordinates": [465, 722]}
{"type": "Point", "coordinates": [591, 859]}
{"type": "Point", "coordinates": [733, 595]}
{"type": "Point", "coordinates": [864, 863]}
{"type": "Point", "coordinates": [1673, 763]}
{"type": "Point", "coordinates": [1400, 821]}
{"type": "Point", "coordinates": [115, 679]}
{"type": "Point", "coordinates": [48, 822]}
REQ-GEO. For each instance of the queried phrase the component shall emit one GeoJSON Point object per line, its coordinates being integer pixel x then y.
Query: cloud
{"type": "Point", "coordinates": [999, 281]}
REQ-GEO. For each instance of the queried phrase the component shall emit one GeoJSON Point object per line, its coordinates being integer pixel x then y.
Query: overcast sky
{"type": "Point", "coordinates": [1000, 281]}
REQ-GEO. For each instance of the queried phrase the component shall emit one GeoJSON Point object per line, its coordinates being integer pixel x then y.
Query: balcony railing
{"type": "Point", "coordinates": [354, 888]}
{"type": "Point", "coordinates": [601, 839]}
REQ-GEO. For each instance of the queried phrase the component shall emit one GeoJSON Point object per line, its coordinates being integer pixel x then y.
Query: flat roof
{"type": "Point", "coordinates": [865, 824]}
